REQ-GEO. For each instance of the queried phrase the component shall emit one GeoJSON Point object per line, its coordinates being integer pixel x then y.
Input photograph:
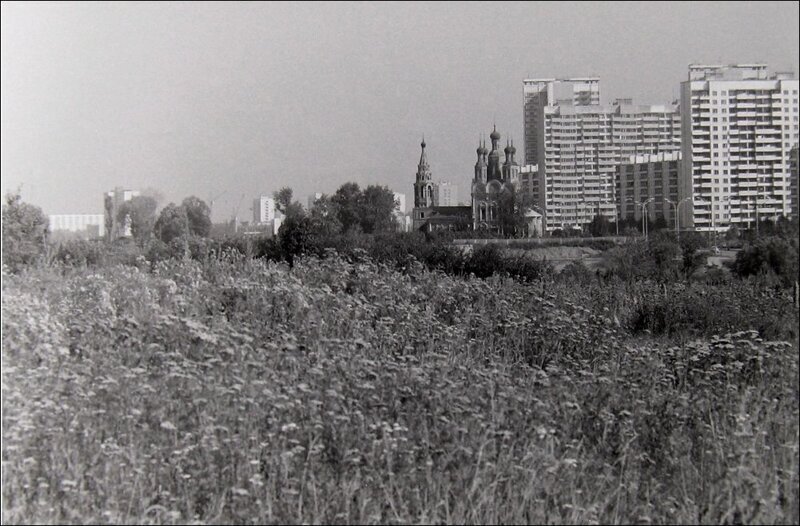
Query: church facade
{"type": "Point", "coordinates": [427, 214]}
{"type": "Point", "coordinates": [493, 183]}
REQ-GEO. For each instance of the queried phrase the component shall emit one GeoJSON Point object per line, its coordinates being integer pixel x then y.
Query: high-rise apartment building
{"type": "Point", "coordinates": [263, 209]}
{"type": "Point", "coordinates": [794, 184]}
{"type": "Point", "coordinates": [529, 181]}
{"type": "Point", "coordinates": [577, 144]}
{"type": "Point", "coordinates": [738, 126]}
{"type": "Point", "coordinates": [540, 93]}
{"type": "Point", "coordinates": [649, 183]}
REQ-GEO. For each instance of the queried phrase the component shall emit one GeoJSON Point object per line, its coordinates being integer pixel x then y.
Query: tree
{"type": "Point", "coordinates": [283, 198]}
{"type": "Point", "coordinates": [25, 230]}
{"type": "Point", "coordinates": [691, 243]}
{"type": "Point", "coordinates": [600, 226]}
{"type": "Point", "coordinates": [664, 250]}
{"type": "Point", "coordinates": [140, 214]}
{"type": "Point", "coordinates": [511, 210]}
{"type": "Point", "coordinates": [172, 223]}
{"type": "Point", "coordinates": [294, 237]}
{"type": "Point", "coordinates": [324, 217]}
{"type": "Point", "coordinates": [285, 205]}
{"type": "Point", "coordinates": [348, 201]}
{"type": "Point", "coordinates": [199, 216]}
{"type": "Point", "coordinates": [771, 255]}
{"type": "Point", "coordinates": [376, 209]}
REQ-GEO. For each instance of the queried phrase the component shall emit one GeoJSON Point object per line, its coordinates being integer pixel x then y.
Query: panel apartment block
{"type": "Point", "coordinates": [540, 93]}
{"type": "Point", "coordinates": [579, 147]}
{"type": "Point", "coordinates": [738, 130]}
{"type": "Point", "coordinates": [649, 178]}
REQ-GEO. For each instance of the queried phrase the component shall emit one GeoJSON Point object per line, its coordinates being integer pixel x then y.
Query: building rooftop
{"type": "Point", "coordinates": [571, 79]}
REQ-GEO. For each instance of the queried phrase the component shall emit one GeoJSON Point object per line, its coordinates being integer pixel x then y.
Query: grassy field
{"type": "Point", "coordinates": [238, 390]}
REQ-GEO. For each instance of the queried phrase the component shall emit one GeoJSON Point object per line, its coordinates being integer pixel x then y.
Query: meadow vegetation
{"type": "Point", "coordinates": [391, 379]}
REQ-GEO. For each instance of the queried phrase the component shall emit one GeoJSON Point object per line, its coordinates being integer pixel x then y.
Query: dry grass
{"type": "Point", "coordinates": [346, 392]}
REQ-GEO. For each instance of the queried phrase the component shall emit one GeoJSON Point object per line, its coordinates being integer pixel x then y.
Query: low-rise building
{"type": "Point", "coordinates": [83, 226]}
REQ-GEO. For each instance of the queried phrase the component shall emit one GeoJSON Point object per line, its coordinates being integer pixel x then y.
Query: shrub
{"type": "Point", "coordinates": [772, 255]}
{"type": "Point", "coordinates": [25, 229]}
{"type": "Point", "coordinates": [81, 253]}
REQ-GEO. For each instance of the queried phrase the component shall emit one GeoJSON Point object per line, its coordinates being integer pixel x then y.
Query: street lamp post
{"type": "Point", "coordinates": [644, 216]}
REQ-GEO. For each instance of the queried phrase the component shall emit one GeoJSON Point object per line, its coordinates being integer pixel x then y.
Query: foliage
{"type": "Point", "coordinates": [376, 209]}
{"type": "Point", "coordinates": [347, 201]}
{"type": "Point", "coordinates": [324, 217]}
{"type": "Point", "coordinates": [511, 208]}
{"type": "Point", "coordinates": [283, 198]}
{"type": "Point", "coordinates": [25, 229]}
{"type": "Point", "coordinates": [368, 211]}
{"type": "Point", "coordinates": [285, 204]}
{"type": "Point", "coordinates": [691, 243]}
{"type": "Point", "coordinates": [770, 256]}
{"type": "Point", "coordinates": [81, 253]}
{"type": "Point", "coordinates": [199, 216]}
{"type": "Point", "coordinates": [294, 237]}
{"type": "Point", "coordinates": [140, 214]}
{"type": "Point", "coordinates": [600, 226]}
{"type": "Point", "coordinates": [230, 390]}
{"type": "Point", "coordinates": [172, 223]}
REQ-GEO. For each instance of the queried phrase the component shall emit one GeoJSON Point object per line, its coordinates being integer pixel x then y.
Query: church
{"type": "Point", "coordinates": [492, 182]}
{"type": "Point", "coordinates": [427, 215]}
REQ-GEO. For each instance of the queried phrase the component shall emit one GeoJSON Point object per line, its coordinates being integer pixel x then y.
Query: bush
{"type": "Point", "coordinates": [81, 253]}
{"type": "Point", "coordinates": [25, 229]}
{"type": "Point", "coordinates": [772, 255]}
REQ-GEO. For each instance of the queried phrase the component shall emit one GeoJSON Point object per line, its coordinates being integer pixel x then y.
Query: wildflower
{"type": "Point", "coordinates": [169, 426]}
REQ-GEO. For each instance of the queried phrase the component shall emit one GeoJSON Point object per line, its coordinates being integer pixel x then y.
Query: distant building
{"type": "Point", "coordinates": [112, 201]}
{"type": "Point", "coordinates": [739, 126]}
{"type": "Point", "coordinates": [533, 223]}
{"type": "Point", "coordinates": [400, 203]}
{"type": "Point", "coordinates": [263, 209]}
{"type": "Point", "coordinates": [653, 178]}
{"type": "Point", "coordinates": [427, 216]}
{"type": "Point", "coordinates": [577, 144]}
{"type": "Point", "coordinates": [84, 226]}
{"type": "Point", "coordinates": [541, 93]}
{"type": "Point", "coordinates": [529, 180]}
{"type": "Point", "coordinates": [492, 183]}
{"type": "Point", "coordinates": [446, 194]}
{"type": "Point", "coordinates": [794, 185]}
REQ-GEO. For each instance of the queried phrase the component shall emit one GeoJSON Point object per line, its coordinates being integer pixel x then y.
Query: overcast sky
{"type": "Point", "coordinates": [192, 98]}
